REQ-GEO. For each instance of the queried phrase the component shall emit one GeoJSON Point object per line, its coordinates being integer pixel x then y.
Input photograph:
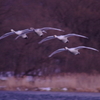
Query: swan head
{"type": "Point", "coordinates": [31, 28]}
{"type": "Point", "coordinates": [55, 36]}
{"type": "Point", "coordinates": [66, 48]}
{"type": "Point", "coordinates": [12, 30]}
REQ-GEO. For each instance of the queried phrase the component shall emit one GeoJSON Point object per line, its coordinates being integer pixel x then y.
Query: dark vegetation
{"type": "Point", "coordinates": [78, 16]}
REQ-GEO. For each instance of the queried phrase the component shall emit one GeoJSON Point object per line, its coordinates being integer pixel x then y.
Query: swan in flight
{"type": "Point", "coordinates": [19, 33]}
{"type": "Point", "coordinates": [41, 31]}
{"type": "Point", "coordinates": [63, 38]}
{"type": "Point", "coordinates": [72, 50]}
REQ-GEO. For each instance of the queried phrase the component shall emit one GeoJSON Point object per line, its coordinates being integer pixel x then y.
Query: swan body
{"type": "Point", "coordinates": [19, 33]}
{"type": "Point", "coordinates": [23, 33]}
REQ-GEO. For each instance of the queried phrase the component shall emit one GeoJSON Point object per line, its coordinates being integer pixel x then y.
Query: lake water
{"type": "Point", "coordinates": [13, 95]}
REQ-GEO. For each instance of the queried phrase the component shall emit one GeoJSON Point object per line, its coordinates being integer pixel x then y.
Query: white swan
{"type": "Point", "coordinates": [19, 33]}
{"type": "Point", "coordinates": [41, 31]}
{"type": "Point", "coordinates": [22, 33]}
{"type": "Point", "coordinates": [63, 38]}
{"type": "Point", "coordinates": [72, 50]}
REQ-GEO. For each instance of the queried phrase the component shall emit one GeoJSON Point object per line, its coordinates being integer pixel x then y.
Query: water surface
{"type": "Point", "coordinates": [13, 95]}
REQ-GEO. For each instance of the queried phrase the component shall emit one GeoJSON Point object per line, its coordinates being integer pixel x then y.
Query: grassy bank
{"type": "Point", "coordinates": [72, 82]}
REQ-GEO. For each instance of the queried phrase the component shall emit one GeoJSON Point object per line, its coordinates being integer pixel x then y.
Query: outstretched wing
{"type": "Point", "coordinates": [24, 32]}
{"type": "Point", "coordinates": [70, 35]}
{"type": "Point", "coordinates": [46, 39]}
{"type": "Point", "coordinates": [7, 34]}
{"type": "Point", "coordinates": [57, 51]}
{"type": "Point", "coordinates": [50, 28]}
{"type": "Point", "coordinates": [81, 47]}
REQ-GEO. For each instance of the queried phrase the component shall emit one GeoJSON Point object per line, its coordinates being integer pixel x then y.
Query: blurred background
{"type": "Point", "coordinates": [27, 57]}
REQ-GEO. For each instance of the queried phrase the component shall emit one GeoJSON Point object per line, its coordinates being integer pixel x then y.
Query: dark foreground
{"type": "Point", "coordinates": [7, 95]}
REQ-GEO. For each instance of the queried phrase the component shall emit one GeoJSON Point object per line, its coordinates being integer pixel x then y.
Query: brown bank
{"type": "Point", "coordinates": [63, 82]}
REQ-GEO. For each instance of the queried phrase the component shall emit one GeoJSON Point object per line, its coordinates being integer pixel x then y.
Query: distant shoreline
{"type": "Point", "coordinates": [63, 83]}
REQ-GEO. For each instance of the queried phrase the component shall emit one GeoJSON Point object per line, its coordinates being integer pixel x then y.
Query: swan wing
{"type": "Point", "coordinates": [46, 39]}
{"type": "Point", "coordinates": [70, 35]}
{"type": "Point", "coordinates": [82, 47]}
{"type": "Point", "coordinates": [50, 28]}
{"type": "Point", "coordinates": [57, 51]}
{"type": "Point", "coordinates": [7, 34]}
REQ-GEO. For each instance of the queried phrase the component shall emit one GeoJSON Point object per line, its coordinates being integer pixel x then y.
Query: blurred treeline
{"type": "Point", "coordinates": [77, 16]}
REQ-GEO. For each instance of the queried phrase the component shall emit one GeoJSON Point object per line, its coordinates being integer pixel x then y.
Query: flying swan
{"type": "Point", "coordinates": [41, 31]}
{"type": "Point", "coordinates": [72, 50]}
{"type": "Point", "coordinates": [19, 33]}
{"type": "Point", "coordinates": [63, 38]}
